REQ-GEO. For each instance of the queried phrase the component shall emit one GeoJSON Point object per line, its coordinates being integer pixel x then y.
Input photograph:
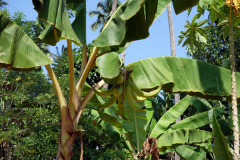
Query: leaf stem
{"type": "Point", "coordinates": [80, 83]}
{"type": "Point", "coordinates": [85, 101]}
{"type": "Point", "coordinates": [73, 104]}
{"type": "Point", "coordinates": [61, 99]}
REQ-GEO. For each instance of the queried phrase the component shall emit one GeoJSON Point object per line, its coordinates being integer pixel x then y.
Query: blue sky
{"type": "Point", "coordinates": [157, 44]}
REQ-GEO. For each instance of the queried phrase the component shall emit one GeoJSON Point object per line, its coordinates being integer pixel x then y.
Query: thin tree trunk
{"type": "Point", "coordinates": [173, 53]}
{"type": "Point", "coordinates": [234, 95]}
{"type": "Point", "coordinates": [114, 7]}
{"type": "Point", "coordinates": [123, 56]}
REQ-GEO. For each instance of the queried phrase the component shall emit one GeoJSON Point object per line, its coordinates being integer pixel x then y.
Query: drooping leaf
{"type": "Point", "coordinates": [132, 8]}
{"type": "Point", "coordinates": [55, 14]}
{"type": "Point", "coordinates": [187, 75]}
{"type": "Point", "coordinates": [112, 131]}
{"type": "Point", "coordinates": [108, 116]}
{"type": "Point", "coordinates": [224, 126]}
{"type": "Point", "coordinates": [182, 5]}
{"type": "Point", "coordinates": [201, 105]}
{"type": "Point", "coordinates": [221, 148]}
{"type": "Point", "coordinates": [17, 50]}
{"type": "Point", "coordinates": [79, 24]}
{"type": "Point", "coordinates": [136, 126]}
{"type": "Point", "coordinates": [189, 154]}
{"type": "Point", "coordinates": [172, 139]}
{"type": "Point", "coordinates": [170, 116]}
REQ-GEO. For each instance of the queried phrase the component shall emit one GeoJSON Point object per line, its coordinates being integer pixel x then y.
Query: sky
{"type": "Point", "coordinates": [157, 44]}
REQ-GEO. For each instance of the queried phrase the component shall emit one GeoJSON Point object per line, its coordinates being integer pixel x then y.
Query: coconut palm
{"type": "Point", "coordinates": [2, 3]}
{"type": "Point", "coordinates": [103, 12]}
{"type": "Point", "coordinates": [173, 53]}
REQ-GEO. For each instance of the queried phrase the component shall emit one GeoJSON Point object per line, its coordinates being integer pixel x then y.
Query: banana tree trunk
{"type": "Point", "coordinates": [173, 53]}
{"type": "Point", "coordinates": [234, 95]}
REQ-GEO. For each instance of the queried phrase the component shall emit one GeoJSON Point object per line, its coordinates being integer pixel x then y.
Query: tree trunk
{"type": "Point", "coordinates": [114, 7]}
{"type": "Point", "coordinates": [173, 53]}
{"type": "Point", "coordinates": [234, 94]}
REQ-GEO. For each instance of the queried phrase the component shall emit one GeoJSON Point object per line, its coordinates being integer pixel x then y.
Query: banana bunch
{"type": "Point", "coordinates": [126, 87]}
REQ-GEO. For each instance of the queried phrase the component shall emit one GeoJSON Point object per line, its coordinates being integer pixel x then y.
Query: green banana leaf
{"type": "Point", "coordinates": [177, 74]}
{"type": "Point", "coordinates": [221, 148]}
{"type": "Point", "coordinates": [197, 121]}
{"type": "Point", "coordinates": [55, 14]}
{"type": "Point", "coordinates": [114, 61]}
{"type": "Point", "coordinates": [136, 126]}
{"type": "Point", "coordinates": [170, 116]}
{"type": "Point", "coordinates": [108, 116]}
{"type": "Point", "coordinates": [182, 5]}
{"type": "Point", "coordinates": [224, 126]}
{"type": "Point", "coordinates": [149, 110]}
{"type": "Point", "coordinates": [172, 139]}
{"type": "Point", "coordinates": [112, 131]}
{"type": "Point", "coordinates": [206, 146]}
{"type": "Point", "coordinates": [189, 154]}
{"type": "Point", "coordinates": [79, 24]}
{"type": "Point", "coordinates": [17, 50]}
{"type": "Point", "coordinates": [201, 105]}
{"type": "Point", "coordinates": [118, 32]}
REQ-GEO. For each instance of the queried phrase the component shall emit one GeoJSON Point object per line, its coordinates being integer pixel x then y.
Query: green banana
{"type": "Point", "coordinates": [118, 90]}
{"type": "Point", "coordinates": [144, 94]}
{"type": "Point", "coordinates": [137, 98]}
{"type": "Point", "coordinates": [131, 101]}
{"type": "Point", "coordinates": [120, 108]}
{"type": "Point", "coordinates": [105, 93]}
{"type": "Point", "coordinates": [120, 79]}
{"type": "Point", "coordinates": [109, 103]}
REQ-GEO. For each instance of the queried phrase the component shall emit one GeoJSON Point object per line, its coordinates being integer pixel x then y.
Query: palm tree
{"type": "Point", "coordinates": [103, 12]}
{"type": "Point", "coordinates": [173, 53]}
{"type": "Point", "coordinates": [2, 3]}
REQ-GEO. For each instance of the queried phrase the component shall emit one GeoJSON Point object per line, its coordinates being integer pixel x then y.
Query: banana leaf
{"type": "Point", "coordinates": [136, 126]}
{"type": "Point", "coordinates": [113, 60]}
{"type": "Point", "coordinates": [170, 116]}
{"type": "Point", "coordinates": [79, 24]}
{"type": "Point", "coordinates": [17, 50]}
{"type": "Point", "coordinates": [172, 139]}
{"type": "Point", "coordinates": [111, 130]}
{"type": "Point", "coordinates": [177, 74]}
{"type": "Point", "coordinates": [108, 116]}
{"type": "Point", "coordinates": [182, 5]}
{"type": "Point", "coordinates": [221, 148]}
{"type": "Point", "coordinates": [201, 105]}
{"type": "Point", "coordinates": [196, 121]}
{"type": "Point", "coordinates": [55, 14]}
{"type": "Point", "coordinates": [121, 27]}
{"type": "Point", "coordinates": [189, 154]}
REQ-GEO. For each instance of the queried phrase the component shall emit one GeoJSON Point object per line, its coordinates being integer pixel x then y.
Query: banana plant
{"type": "Point", "coordinates": [132, 84]}
{"type": "Point", "coordinates": [228, 15]}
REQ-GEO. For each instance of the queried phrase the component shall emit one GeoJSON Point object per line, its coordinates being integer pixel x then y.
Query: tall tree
{"type": "Point", "coordinates": [173, 53]}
